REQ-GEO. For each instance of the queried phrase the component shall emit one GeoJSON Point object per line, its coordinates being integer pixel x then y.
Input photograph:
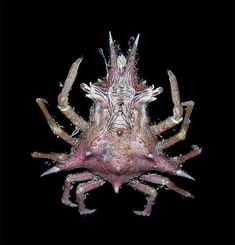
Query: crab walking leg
{"type": "Point", "coordinates": [181, 135]}
{"type": "Point", "coordinates": [68, 185]}
{"type": "Point", "coordinates": [177, 109]}
{"type": "Point", "coordinates": [158, 179]}
{"type": "Point", "coordinates": [63, 104]}
{"type": "Point", "coordinates": [150, 191]}
{"type": "Point", "coordinates": [52, 156]}
{"type": "Point", "coordinates": [55, 128]}
{"type": "Point", "coordinates": [181, 159]}
{"type": "Point", "coordinates": [81, 196]}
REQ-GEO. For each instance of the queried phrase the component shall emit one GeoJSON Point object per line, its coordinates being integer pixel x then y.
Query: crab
{"type": "Point", "coordinates": [118, 144]}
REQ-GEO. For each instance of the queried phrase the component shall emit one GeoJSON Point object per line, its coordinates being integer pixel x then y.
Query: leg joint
{"type": "Point", "coordinates": [56, 129]}
{"type": "Point", "coordinates": [182, 134]}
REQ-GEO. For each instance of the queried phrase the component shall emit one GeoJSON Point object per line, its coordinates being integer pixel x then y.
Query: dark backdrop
{"type": "Point", "coordinates": [40, 40]}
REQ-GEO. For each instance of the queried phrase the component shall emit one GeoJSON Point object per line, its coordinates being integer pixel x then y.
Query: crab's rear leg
{"type": "Point", "coordinates": [55, 128]}
{"type": "Point", "coordinates": [177, 116]}
{"type": "Point", "coordinates": [150, 192]}
{"type": "Point", "coordinates": [63, 104]}
{"type": "Point", "coordinates": [82, 189]}
{"type": "Point", "coordinates": [181, 135]}
{"type": "Point", "coordinates": [68, 185]}
{"type": "Point", "coordinates": [158, 179]}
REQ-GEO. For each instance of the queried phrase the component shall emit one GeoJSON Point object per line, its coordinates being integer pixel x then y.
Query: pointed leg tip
{"type": "Point", "coordinates": [191, 196]}
{"type": "Point", "coordinates": [34, 154]}
{"type": "Point", "coordinates": [72, 205]}
{"type": "Point", "coordinates": [141, 213]}
{"type": "Point", "coordinates": [88, 211]}
{"type": "Point", "coordinates": [50, 171]}
{"type": "Point", "coordinates": [197, 148]}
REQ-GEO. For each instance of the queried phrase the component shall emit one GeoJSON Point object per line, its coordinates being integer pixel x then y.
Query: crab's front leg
{"type": "Point", "coordinates": [82, 189]}
{"type": "Point", "coordinates": [177, 116]}
{"type": "Point", "coordinates": [150, 192]}
{"type": "Point", "coordinates": [63, 104]}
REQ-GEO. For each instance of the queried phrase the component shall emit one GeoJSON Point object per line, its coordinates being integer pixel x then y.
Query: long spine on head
{"type": "Point", "coordinates": [132, 55]}
{"type": "Point", "coordinates": [113, 55]}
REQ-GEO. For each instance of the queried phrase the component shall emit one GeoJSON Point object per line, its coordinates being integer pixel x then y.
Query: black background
{"type": "Point", "coordinates": [40, 40]}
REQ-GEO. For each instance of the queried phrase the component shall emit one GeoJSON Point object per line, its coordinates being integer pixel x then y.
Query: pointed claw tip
{"type": "Point", "coordinates": [51, 171]}
{"type": "Point", "coordinates": [181, 173]}
{"type": "Point", "coordinates": [110, 38]}
{"type": "Point", "coordinates": [137, 40]}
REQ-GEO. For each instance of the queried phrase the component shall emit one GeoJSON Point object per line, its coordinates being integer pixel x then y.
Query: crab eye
{"type": "Point", "coordinates": [85, 87]}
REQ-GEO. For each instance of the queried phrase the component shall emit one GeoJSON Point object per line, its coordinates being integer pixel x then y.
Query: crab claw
{"type": "Point", "coordinates": [51, 171]}
{"type": "Point", "coordinates": [181, 173]}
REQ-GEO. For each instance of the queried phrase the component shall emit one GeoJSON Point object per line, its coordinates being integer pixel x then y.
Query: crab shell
{"type": "Point", "coordinates": [118, 145]}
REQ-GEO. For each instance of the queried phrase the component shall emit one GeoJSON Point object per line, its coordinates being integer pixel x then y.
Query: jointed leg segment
{"type": "Point", "coordinates": [60, 157]}
{"type": "Point", "coordinates": [150, 191]}
{"type": "Point", "coordinates": [55, 128]}
{"type": "Point", "coordinates": [181, 159]}
{"type": "Point", "coordinates": [63, 104]}
{"type": "Point", "coordinates": [181, 135]}
{"type": "Point", "coordinates": [68, 185]}
{"type": "Point", "coordinates": [81, 196]}
{"type": "Point", "coordinates": [177, 116]}
{"type": "Point", "coordinates": [158, 179]}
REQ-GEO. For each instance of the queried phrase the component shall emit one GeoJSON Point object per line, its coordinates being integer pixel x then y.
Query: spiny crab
{"type": "Point", "coordinates": [118, 145]}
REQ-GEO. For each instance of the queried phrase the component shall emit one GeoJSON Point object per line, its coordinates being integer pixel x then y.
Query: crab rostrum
{"type": "Point", "coordinates": [118, 145]}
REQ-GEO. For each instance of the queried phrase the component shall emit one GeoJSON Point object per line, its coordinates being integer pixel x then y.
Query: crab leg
{"type": "Point", "coordinates": [55, 128]}
{"type": "Point", "coordinates": [63, 104]}
{"type": "Point", "coordinates": [150, 191]}
{"type": "Point", "coordinates": [68, 185]}
{"type": "Point", "coordinates": [52, 156]}
{"type": "Point", "coordinates": [181, 135]}
{"type": "Point", "coordinates": [177, 109]}
{"type": "Point", "coordinates": [80, 195]}
{"type": "Point", "coordinates": [181, 159]}
{"type": "Point", "coordinates": [158, 179]}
